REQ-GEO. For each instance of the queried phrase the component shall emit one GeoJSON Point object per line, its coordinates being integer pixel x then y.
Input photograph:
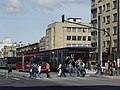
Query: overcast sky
{"type": "Point", "coordinates": [27, 20]}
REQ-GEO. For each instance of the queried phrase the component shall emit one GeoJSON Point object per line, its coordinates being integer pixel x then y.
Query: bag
{"type": "Point", "coordinates": [59, 73]}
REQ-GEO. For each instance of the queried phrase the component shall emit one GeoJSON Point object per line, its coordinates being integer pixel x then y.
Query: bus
{"type": "Point", "coordinates": [23, 63]}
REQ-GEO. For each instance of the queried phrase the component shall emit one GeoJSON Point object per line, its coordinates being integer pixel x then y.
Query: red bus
{"type": "Point", "coordinates": [23, 63]}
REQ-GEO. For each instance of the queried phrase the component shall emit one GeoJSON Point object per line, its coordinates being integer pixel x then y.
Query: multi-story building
{"type": "Point", "coordinates": [71, 33]}
{"type": "Point", "coordinates": [104, 17]}
{"type": "Point", "coordinates": [7, 48]}
{"type": "Point", "coordinates": [42, 44]}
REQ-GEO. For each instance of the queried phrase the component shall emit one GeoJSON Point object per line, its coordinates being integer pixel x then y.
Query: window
{"type": "Point", "coordinates": [115, 17]}
{"type": "Point", "coordinates": [94, 44]}
{"type": "Point", "coordinates": [94, 13]}
{"type": "Point", "coordinates": [85, 29]}
{"type": "Point", "coordinates": [73, 37]}
{"type": "Point", "coordinates": [74, 29]}
{"type": "Point", "coordinates": [103, 19]}
{"type": "Point", "coordinates": [68, 29]}
{"type": "Point", "coordinates": [68, 37]}
{"type": "Point", "coordinates": [79, 29]}
{"type": "Point", "coordinates": [108, 43]}
{"type": "Point", "coordinates": [115, 29]}
{"type": "Point", "coordinates": [103, 43]}
{"type": "Point", "coordinates": [108, 19]}
{"type": "Point", "coordinates": [108, 6]}
{"type": "Point", "coordinates": [79, 38]}
{"type": "Point", "coordinates": [114, 4]}
{"type": "Point", "coordinates": [100, 9]}
{"type": "Point", "coordinates": [103, 7]}
{"type": "Point", "coordinates": [93, 2]}
{"type": "Point", "coordinates": [108, 29]}
{"type": "Point", "coordinates": [73, 45]}
{"type": "Point", "coordinates": [68, 45]}
{"type": "Point", "coordinates": [89, 38]}
{"type": "Point", "coordinates": [115, 43]}
{"type": "Point", "coordinates": [104, 32]}
{"type": "Point", "coordinates": [84, 38]}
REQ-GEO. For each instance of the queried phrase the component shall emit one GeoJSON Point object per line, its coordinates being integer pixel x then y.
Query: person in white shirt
{"type": "Point", "coordinates": [39, 71]}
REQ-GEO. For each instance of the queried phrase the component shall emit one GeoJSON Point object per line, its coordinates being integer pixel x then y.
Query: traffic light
{"type": "Point", "coordinates": [63, 18]}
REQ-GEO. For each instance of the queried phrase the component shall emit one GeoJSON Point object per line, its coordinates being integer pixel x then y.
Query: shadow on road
{"type": "Point", "coordinates": [99, 87]}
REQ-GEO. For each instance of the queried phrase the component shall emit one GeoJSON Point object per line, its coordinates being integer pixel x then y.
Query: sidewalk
{"type": "Point", "coordinates": [90, 73]}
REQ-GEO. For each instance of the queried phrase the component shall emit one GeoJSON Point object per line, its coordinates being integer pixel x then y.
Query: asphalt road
{"type": "Point", "coordinates": [70, 83]}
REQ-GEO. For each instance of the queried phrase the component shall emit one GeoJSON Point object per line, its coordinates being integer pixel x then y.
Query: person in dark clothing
{"type": "Point", "coordinates": [99, 69]}
{"type": "Point", "coordinates": [9, 68]}
{"type": "Point", "coordinates": [63, 70]}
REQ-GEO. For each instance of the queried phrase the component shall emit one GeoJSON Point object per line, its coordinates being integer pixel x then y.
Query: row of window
{"type": "Point", "coordinates": [79, 38]}
{"type": "Point", "coordinates": [105, 7]}
{"type": "Point", "coordinates": [94, 33]}
{"type": "Point", "coordinates": [78, 45]}
{"type": "Point", "coordinates": [77, 29]}
{"type": "Point", "coordinates": [105, 43]}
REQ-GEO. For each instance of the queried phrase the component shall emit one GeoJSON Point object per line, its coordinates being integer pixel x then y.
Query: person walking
{"type": "Point", "coordinates": [48, 70]}
{"type": "Point", "coordinates": [70, 68]}
{"type": "Point", "coordinates": [60, 70]}
{"type": "Point", "coordinates": [39, 71]}
{"type": "Point", "coordinates": [63, 70]}
{"type": "Point", "coordinates": [99, 69]}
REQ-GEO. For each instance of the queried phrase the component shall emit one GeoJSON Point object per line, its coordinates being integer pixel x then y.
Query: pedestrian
{"type": "Point", "coordinates": [9, 69]}
{"type": "Point", "coordinates": [70, 68]}
{"type": "Point", "coordinates": [31, 71]}
{"type": "Point", "coordinates": [60, 69]}
{"type": "Point", "coordinates": [48, 70]}
{"type": "Point", "coordinates": [39, 71]}
{"type": "Point", "coordinates": [34, 70]}
{"type": "Point", "coordinates": [63, 69]}
{"type": "Point", "coordinates": [99, 69]}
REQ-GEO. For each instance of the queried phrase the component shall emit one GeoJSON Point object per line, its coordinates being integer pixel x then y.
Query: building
{"type": "Point", "coordinates": [7, 48]}
{"type": "Point", "coordinates": [71, 33]}
{"type": "Point", "coordinates": [42, 44]}
{"type": "Point", "coordinates": [28, 49]}
{"type": "Point", "coordinates": [104, 16]}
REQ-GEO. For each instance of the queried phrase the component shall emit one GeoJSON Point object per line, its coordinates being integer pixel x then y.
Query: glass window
{"type": "Point", "coordinates": [84, 38]}
{"type": "Point", "coordinates": [108, 19]}
{"type": "Point", "coordinates": [68, 45]}
{"type": "Point", "coordinates": [115, 29]}
{"type": "Point", "coordinates": [74, 29]}
{"type": "Point", "coordinates": [68, 37]}
{"type": "Point", "coordinates": [68, 29]}
{"type": "Point", "coordinates": [108, 6]}
{"type": "Point", "coordinates": [115, 17]}
{"type": "Point", "coordinates": [73, 37]}
{"type": "Point", "coordinates": [89, 38]}
{"type": "Point", "coordinates": [100, 9]}
{"type": "Point", "coordinates": [79, 38]}
{"type": "Point", "coordinates": [114, 4]}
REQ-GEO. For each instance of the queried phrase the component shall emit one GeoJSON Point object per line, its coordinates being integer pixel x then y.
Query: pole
{"type": "Point", "coordinates": [118, 36]}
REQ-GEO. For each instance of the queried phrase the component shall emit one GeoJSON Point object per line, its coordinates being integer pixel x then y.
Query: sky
{"type": "Point", "coordinates": [27, 20]}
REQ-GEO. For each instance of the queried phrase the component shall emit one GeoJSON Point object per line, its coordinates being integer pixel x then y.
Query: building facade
{"type": "Point", "coordinates": [67, 34]}
{"type": "Point", "coordinates": [104, 16]}
{"type": "Point", "coordinates": [7, 48]}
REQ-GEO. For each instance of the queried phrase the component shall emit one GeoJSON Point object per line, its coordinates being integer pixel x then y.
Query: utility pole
{"type": "Point", "coordinates": [118, 36]}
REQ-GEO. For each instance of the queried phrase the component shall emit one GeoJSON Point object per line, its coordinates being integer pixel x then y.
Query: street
{"type": "Point", "coordinates": [84, 83]}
